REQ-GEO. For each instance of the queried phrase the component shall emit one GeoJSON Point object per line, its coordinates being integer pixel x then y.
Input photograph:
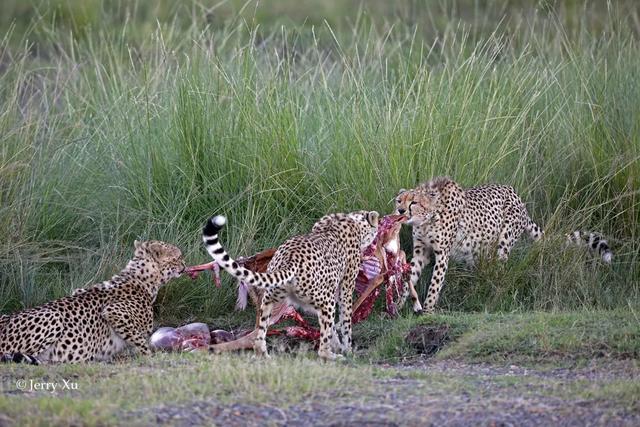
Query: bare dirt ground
{"type": "Point", "coordinates": [428, 392]}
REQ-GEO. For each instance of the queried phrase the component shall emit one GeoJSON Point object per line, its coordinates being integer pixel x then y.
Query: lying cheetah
{"type": "Point", "coordinates": [450, 222]}
{"type": "Point", "coordinates": [97, 322]}
{"type": "Point", "coordinates": [311, 270]}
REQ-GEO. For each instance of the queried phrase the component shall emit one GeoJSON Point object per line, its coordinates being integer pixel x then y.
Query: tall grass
{"type": "Point", "coordinates": [121, 134]}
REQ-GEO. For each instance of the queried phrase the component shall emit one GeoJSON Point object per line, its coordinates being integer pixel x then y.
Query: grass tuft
{"type": "Point", "coordinates": [116, 126]}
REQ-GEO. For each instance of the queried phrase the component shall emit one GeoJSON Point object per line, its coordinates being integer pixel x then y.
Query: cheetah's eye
{"type": "Point", "coordinates": [433, 194]}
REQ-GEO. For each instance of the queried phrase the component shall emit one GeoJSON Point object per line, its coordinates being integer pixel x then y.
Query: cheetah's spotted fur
{"type": "Point", "coordinates": [311, 270]}
{"type": "Point", "coordinates": [97, 322]}
{"type": "Point", "coordinates": [451, 222]}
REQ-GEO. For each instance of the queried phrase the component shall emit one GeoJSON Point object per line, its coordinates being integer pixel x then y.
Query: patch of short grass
{"type": "Point", "coordinates": [106, 391]}
{"type": "Point", "coordinates": [532, 337]}
{"type": "Point", "coordinates": [133, 391]}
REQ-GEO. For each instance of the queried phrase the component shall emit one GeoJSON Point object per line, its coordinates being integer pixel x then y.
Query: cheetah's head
{"type": "Point", "coordinates": [423, 204]}
{"type": "Point", "coordinates": [164, 257]}
{"type": "Point", "coordinates": [419, 206]}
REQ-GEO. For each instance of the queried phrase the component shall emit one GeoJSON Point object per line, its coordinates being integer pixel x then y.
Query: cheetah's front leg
{"type": "Point", "coordinates": [421, 258]}
{"type": "Point", "coordinates": [437, 279]}
{"type": "Point", "coordinates": [131, 324]}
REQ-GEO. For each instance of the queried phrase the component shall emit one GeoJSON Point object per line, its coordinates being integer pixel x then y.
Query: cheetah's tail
{"type": "Point", "coordinates": [220, 256]}
{"type": "Point", "coordinates": [19, 358]}
{"type": "Point", "coordinates": [594, 242]}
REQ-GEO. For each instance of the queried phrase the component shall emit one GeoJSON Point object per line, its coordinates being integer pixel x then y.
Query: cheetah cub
{"type": "Point", "coordinates": [310, 270]}
{"type": "Point", "coordinates": [97, 322]}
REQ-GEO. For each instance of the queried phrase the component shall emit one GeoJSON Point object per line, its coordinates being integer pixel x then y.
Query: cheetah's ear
{"type": "Point", "coordinates": [402, 190]}
{"type": "Point", "coordinates": [372, 217]}
{"type": "Point", "coordinates": [137, 244]}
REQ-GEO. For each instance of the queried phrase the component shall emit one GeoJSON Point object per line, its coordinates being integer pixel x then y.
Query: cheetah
{"type": "Point", "coordinates": [450, 222]}
{"type": "Point", "coordinates": [311, 270]}
{"type": "Point", "coordinates": [97, 322]}
{"type": "Point", "coordinates": [462, 224]}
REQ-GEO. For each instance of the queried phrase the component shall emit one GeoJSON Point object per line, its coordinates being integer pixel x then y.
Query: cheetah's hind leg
{"type": "Point", "coordinates": [38, 351]}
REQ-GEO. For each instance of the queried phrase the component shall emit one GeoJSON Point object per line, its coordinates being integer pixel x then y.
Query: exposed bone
{"type": "Point", "coordinates": [246, 341]}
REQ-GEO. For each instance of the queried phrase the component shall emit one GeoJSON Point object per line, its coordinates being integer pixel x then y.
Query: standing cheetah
{"type": "Point", "coordinates": [311, 270]}
{"type": "Point", "coordinates": [451, 222]}
{"type": "Point", "coordinates": [97, 322]}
